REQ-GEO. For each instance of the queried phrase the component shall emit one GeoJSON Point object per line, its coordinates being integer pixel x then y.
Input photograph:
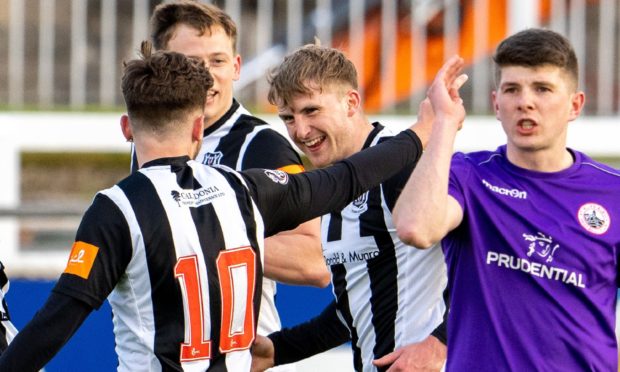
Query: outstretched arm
{"type": "Point", "coordinates": [52, 326]}
{"type": "Point", "coordinates": [304, 340]}
{"type": "Point", "coordinates": [424, 212]}
{"type": "Point", "coordinates": [284, 200]}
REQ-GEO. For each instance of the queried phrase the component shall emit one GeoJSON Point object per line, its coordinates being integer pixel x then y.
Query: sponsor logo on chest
{"type": "Point", "coordinates": [196, 198]}
{"type": "Point", "coordinates": [537, 246]}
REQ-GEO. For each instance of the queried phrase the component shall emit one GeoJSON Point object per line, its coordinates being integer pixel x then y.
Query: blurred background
{"type": "Point", "coordinates": [60, 102]}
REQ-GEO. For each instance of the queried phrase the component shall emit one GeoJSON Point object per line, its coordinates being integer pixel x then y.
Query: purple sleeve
{"type": "Point", "coordinates": [458, 177]}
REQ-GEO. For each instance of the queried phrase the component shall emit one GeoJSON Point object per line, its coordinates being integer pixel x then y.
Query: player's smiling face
{"type": "Point", "coordinates": [320, 125]}
{"type": "Point", "coordinates": [215, 48]}
{"type": "Point", "coordinates": [535, 105]}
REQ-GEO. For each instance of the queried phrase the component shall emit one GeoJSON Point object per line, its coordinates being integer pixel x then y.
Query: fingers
{"type": "Point", "coordinates": [449, 77]}
{"type": "Point", "coordinates": [450, 70]}
{"type": "Point", "coordinates": [388, 359]}
{"type": "Point", "coordinates": [459, 81]}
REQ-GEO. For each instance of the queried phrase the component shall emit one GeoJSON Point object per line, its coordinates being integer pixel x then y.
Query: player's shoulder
{"type": "Point", "coordinates": [246, 118]}
{"type": "Point", "coordinates": [479, 158]}
{"type": "Point", "coordinates": [264, 136]}
{"type": "Point", "coordinates": [596, 168]}
{"type": "Point", "coordinates": [381, 133]}
{"type": "Point", "coordinates": [259, 126]}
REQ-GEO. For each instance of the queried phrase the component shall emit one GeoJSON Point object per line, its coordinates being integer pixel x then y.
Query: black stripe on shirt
{"type": "Point", "coordinates": [339, 282]}
{"type": "Point", "coordinates": [165, 292]}
{"type": "Point", "coordinates": [212, 243]}
{"type": "Point", "coordinates": [247, 214]}
{"type": "Point", "coordinates": [334, 230]}
{"type": "Point", "coordinates": [382, 272]}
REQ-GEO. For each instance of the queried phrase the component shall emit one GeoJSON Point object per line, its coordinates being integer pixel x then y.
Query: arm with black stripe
{"type": "Point", "coordinates": [7, 329]}
{"type": "Point", "coordinates": [302, 341]}
{"type": "Point", "coordinates": [73, 298]}
{"type": "Point", "coordinates": [47, 332]}
{"type": "Point", "coordinates": [293, 256]}
{"type": "Point", "coordinates": [304, 196]}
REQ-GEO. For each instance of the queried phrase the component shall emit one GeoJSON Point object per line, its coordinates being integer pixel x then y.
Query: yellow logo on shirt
{"type": "Point", "coordinates": [81, 259]}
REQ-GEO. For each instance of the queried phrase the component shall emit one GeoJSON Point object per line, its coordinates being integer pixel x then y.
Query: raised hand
{"type": "Point", "coordinates": [444, 92]}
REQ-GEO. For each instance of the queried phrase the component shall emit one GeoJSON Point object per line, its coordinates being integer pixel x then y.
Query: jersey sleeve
{"type": "Point", "coordinates": [315, 336]}
{"type": "Point", "coordinates": [270, 150]}
{"type": "Point", "coordinates": [285, 200]}
{"type": "Point", "coordinates": [99, 256]}
{"type": "Point", "coordinates": [392, 188]}
{"type": "Point", "coordinates": [7, 330]}
{"type": "Point", "coordinates": [52, 326]}
{"type": "Point", "coordinates": [459, 170]}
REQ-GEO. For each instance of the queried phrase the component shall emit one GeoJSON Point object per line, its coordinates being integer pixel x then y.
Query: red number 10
{"type": "Point", "coordinates": [236, 269]}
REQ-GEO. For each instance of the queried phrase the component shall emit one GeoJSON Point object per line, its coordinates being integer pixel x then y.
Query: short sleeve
{"type": "Point", "coordinates": [99, 256]}
{"type": "Point", "coordinates": [270, 150]}
{"type": "Point", "coordinates": [459, 169]}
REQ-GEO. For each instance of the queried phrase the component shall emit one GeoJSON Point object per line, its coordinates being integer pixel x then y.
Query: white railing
{"type": "Point", "coordinates": [62, 132]}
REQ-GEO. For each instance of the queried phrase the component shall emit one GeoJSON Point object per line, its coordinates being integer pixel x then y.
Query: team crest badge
{"type": "Point", "coordinates": [360, 205]}
{"type": "Point", "coordinates": [277, 176]}
{"type": "Point", "coordinates": [212, 158]}
{"type": "Point", "coordinates": [594, 218]}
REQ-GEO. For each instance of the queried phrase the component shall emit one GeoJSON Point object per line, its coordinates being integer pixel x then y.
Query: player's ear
{"type": "Point", "coordinates": [126, 128]}
{"type": "Point", "coordinates": [495, 105]}
{"type": "Point", "coordinates": [197, 128]}
{"type": "Point", "coordinates": [237, 67]}
{"type": "Point", "coordinates": [578, 99]}
{"type": "Point", "coordinates": [353, 101]}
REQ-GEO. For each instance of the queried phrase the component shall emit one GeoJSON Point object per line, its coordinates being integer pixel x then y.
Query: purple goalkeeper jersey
{"type": "Point", "coordinates": [533, 267]}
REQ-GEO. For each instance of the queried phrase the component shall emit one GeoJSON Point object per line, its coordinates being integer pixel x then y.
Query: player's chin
{"type": "Point", "coordinates": [318, 161]}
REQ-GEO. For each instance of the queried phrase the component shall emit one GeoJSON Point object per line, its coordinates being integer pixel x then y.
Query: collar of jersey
{"type": "Point", "coordinates": [221, 121]}
{"type": "Point", "coordinates": [177, 160]}
{"type": "Point", "coordinates": [377, 128]}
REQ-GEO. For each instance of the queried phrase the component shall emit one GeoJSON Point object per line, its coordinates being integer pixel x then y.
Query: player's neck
{"type": "Point", "coordinates": [547, 161]}
{"type": "Point", "coordinates": [150, 149]}
{"type": "Point", "coordinates": [362, 135]}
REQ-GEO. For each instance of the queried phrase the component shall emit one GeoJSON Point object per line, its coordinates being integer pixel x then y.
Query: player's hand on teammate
{"type": "Point", "coordinates": [263, 354]}
{"type": "Point", "coordinates": [444, 92]}
{"type": "Point", "coordinates": [428, 355]}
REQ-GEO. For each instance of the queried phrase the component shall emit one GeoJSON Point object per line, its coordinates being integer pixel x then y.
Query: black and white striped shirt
{"type": "Point", "coordinates": [387, 293]}
{"type": "Point", "coordinates": [242, 141]}
{"type": "Point", "coordinates": [177, 247]}
{"type": "Point", "coordinates": [7, 329]}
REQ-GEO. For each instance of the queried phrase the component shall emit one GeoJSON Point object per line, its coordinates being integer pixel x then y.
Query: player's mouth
{"type": "Point", "coordinates": [526, 126]}
{"type": "Point", "coordinates": [314, 143]}
{"type": "Point", "coordinates": [211, 96]}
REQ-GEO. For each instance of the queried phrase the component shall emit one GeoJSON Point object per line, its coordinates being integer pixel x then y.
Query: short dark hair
{"type": "Point", "coordinates": [203, 17]}
{"type": "Point", "coordinates": [310, 64]}
{"type": "Point", "coordinates": [162, 88]}
{"type": "Point", "coordinates": [536, 47]}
